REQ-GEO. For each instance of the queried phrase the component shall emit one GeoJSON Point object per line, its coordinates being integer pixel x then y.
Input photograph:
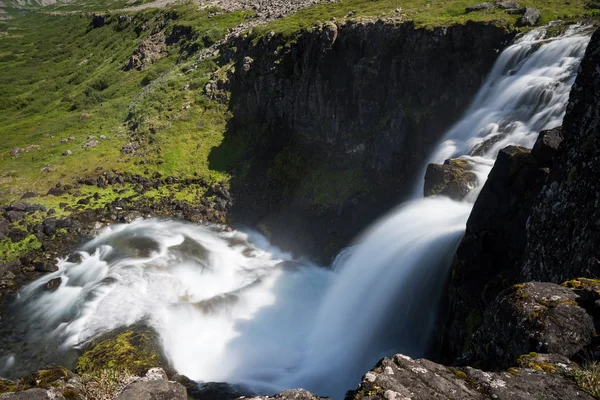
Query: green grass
{"type": "Point", "coordinates": [55, 71]}
{"type": "Point", "coordinates": [425, 13]}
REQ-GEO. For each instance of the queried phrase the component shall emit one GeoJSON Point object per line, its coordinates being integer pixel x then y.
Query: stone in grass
{"type": "Point", "coordinates": [479, 7]}
{"type": "Point", "coordinates": [530, 18]}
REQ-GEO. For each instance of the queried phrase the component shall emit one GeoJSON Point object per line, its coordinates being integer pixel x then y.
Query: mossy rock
{"type": "Point", "coordinates": [453, 179]}
{"type": "Point", "coordinates": [135, 350]}
{"type": "Point", "coordinates": [46, 378]}
{"type": "Point", "coordinates": [7, 386]}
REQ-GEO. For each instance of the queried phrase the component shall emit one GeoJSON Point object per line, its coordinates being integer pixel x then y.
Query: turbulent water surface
{"type": "Point", "coordinates": [230, 307]}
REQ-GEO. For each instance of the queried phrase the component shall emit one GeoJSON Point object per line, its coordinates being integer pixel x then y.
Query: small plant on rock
{"type": "Point", "coordinates": [588, 377]}
{"type": "Point", "coordinates": [105, 384]}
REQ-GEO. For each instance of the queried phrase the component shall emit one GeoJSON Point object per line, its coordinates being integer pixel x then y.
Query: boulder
{"type": "Point", "coordinates": [479, 7]}
{"type": "Point", "coordinates": [46, 267]}
{"type": "Point", "coordinates": [530, 17]}
{"type": "Point", "coordinates": [488, 258]}
{"type": "Point", "coordinates": [16, 235]}
{"type": "Point", "coordinates": [55, 191]}
{"type": "Point", "coordinates": [507, 4]}
{"type": "Point", "coordinates": [153, 390]}
{"type": "Point", "coordinates": [532, 317]}
{"type": "Point", "coordinates": [453, 179]}
{"type": "Point", "coordinates": [402, 378]}
{"type": "Point", "coordinates": [546, 146]}
{"type": "Point", "coordinates": [29, 195]}
{"type": "Point", "coordinates": [14, 216]}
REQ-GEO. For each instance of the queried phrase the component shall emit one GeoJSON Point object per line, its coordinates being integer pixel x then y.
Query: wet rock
{"type": "Point", "coordinates": [532, 317]}
{"type": "Point", "coordinates": [153, 390]}
{"type": "Point", "coordinates": [479, 7]}
{"type": "Point", "coordinates": [453, 179]}
{"type": "Point", "coordinates": [488, 258]}
{"type": "Point", "coordinates": [16, 235]}
{"type": "Point", "coordinates": [55, 191]}
{"type": "Point", "coordinates": [29, 195]}
{"type": "Point", "coordinates": [530, 18]}
{"type": "Point", "coordinates": [53, 284]}
{"type": "Point", "coordinates": [213, 390]}
{"type": "Point", "coordinates": [404, 378]}
{"type": "Point", "coordinates": [45, 267]}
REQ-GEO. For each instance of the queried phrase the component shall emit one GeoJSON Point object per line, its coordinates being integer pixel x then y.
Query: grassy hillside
{"type": "Point", "coordinates": [63, 85]}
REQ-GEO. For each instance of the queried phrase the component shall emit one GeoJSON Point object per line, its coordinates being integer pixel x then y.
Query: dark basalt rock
{"type": "Point", "coordinates": [46, 267]}
{"type": "Point", "coordinates": [363, 102]}
{"type": "Point", "coordinates": [532, 317]}
{"type": "Point", "coordinates": [16, 235]}
{"type": "Point", "coordinates": [453, 179]}
{"type": "Point", "coordinates": [564, 229]}
{"type": "Point", "coordinates": [29, 195]}
{"type": "Point", "coordinates": [546, 146]}
{"type": "Point", "coordinates": [404, 378]}
{"type": "Point", "coordinates": [488, 259]}
{"type": "Point", "coordinates": [53, 284]}
{"type": "Point", "coordinates": [4, 228]}
{"type": "Point", "coordinates": [14, 216]}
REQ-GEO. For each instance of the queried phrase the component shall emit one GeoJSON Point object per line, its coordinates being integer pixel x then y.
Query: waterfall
{"type": "Point", "coordinates": [230, 307]}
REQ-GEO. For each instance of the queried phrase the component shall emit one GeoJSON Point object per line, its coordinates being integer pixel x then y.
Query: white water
{"type": "Point", "coordinates": [229, 307]}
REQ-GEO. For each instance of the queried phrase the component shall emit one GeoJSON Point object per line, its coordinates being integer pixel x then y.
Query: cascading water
{"type": "Point", "coordinates": [229, 307]}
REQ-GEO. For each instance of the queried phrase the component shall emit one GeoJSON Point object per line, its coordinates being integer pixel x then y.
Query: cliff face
{"type": "Point", "coordinates": [337, 122]}
{"type": "Point", "coordinates": [564, 229]}
{"type": "Point", "coordinates": [540, 222]}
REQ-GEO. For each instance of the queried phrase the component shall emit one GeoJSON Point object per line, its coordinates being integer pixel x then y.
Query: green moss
{"type": "Point", "coordinates": [7, 386]}
{"type": "Point", "coordinates": [135, 350]}
{"type": "Point", "coordinates": [46, 378]}
{"type": "Point", "coordinates": [530, 361]}
{"type": "Point", "coordinates": [583, 283]}
{"type": "Point", "coordinates": [11, 251]}
{"type": "Point", "coordinates": [459, 374]}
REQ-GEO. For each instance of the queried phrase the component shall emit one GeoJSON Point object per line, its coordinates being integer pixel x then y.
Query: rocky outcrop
{"type": "Point", "coordinates": [338, 120]}
{"type": "Point", "coordinates": [530, 17]}
{"type": "Point", "coordinates": [563, 231]}
{"type": "Point", "coordinates": [158, 389]}
{"type": "Point", "coordinates": [532, 317]}
{"type": "Point", "coordinates": [488, 258]}
{"type": "Point", "coordinates": [454, 179]}
{"type": "Point", "coordinates": [404, 378]}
